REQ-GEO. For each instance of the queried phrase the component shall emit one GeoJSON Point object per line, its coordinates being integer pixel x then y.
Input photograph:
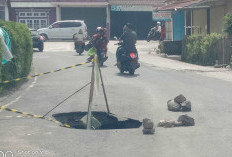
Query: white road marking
{"type": "Point", "coordinates": [18, 98]}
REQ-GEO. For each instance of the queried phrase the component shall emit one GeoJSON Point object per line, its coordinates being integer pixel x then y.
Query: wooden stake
{"type": "Point", "coordinates": [90, 99]}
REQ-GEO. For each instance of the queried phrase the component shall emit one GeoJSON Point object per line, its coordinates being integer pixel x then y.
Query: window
{"type": "Point", "coordinates": [56, 25]}
{"type": "Point", "coordinates": [34, 23]}
{"type": "Point", "coordinates": [22, 14]}
{"type": "Point", "coordinates": [33, 14]}
{"type": "Point", "coordinates": [22, 21]}
{"type": "Point", "coordinates": [36, 14]}
{"type": "Point", "coordinates": [43, 23]}
{"type": "Point", "coordinates": [30, 23]}
{"type": "Point", "coordinates": [43, 15]}
{"type": "Point", "coordinates": [29, 14]}
{"type": "Point", "coordinates": [77, 24]}
{"type": "Point", "coordinates": [70, 24]}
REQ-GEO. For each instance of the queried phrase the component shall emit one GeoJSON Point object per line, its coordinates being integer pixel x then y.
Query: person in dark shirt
{"type": "Point", "coordinates": [129, 38]}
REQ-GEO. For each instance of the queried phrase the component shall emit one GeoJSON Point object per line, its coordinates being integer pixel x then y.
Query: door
{"type": "Point", "coordinates": [178, 25]}
{"type": "Point", "coordinates": [54, 31]}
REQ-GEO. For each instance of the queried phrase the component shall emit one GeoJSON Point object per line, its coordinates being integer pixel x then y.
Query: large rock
{"type": "Point", "coordinates": [166, 124]}
{"type": "Point", "coordinates": [180, 99]}
{"type": "Point", "coordinates": [148, 124]}
{"type": "Point", "coordinates": [173, 106]}
{"type": "Point", "coordinates": [186, 120]}
{"type": "Point", "coordinates": [186, 106]}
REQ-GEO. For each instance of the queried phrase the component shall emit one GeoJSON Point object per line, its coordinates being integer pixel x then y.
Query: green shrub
{"type": "Point", "coordinates": [22, 50]}
{"type": "Point", "coordinates": [228, 23]}
{"type": "Point", "coordinates": [0, 64]}
{"type": "Point", "coordinates": [193, 49]}
{"type": "Point", "coordinates": [202, 50]}
{"type": "Point", "coordinates": [231, 61]}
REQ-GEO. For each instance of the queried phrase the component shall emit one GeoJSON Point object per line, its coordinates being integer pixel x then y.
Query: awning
{"type": "Point", "coordinates": [181, 5]}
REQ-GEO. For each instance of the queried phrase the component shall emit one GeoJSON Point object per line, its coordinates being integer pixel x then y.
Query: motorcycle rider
{"type": "Point", "coordinates": [100, 42]}
{"type": "Point", "coordinates": [158, 30]}
{"type": "Point", "coordinates": [79, 37]}
{"type": "Point", "coordinates": [128, 38]}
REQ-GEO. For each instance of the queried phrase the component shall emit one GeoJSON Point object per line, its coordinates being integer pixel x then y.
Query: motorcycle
{"type": "Point", "coordinates": [79, 47]}
{"type": "Point", "coordinates": [153, 35]}
{"type": "Point", "coordinates": [102, 57]}
{"type": "Point", "coordinates": [128, 61]}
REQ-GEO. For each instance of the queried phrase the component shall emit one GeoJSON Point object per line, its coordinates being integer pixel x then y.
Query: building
{"type": "Point", "coordinates": [4, 14]}
{"type": "Point", "coordinates": [42, 13]}
{"type": "Point", "coordinates": [200, 17]}
{"type": "Point", "coordinates": [137, 12]}
{"type": "Point", "coordinates": [112, 14]}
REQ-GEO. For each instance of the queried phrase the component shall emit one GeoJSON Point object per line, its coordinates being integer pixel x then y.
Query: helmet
{"type": "Point", "coordinates": [101, 30]}
{"type": "Point", "coordinates": [129, 25]}
{"type": "Point", "coordinates": [98, 29]}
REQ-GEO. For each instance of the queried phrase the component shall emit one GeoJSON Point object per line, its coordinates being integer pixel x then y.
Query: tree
{"type": "Point", "coordinates": [228, 23]}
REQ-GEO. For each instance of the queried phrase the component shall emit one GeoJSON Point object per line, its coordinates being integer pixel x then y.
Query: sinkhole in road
{"type": "Point", "coordinates": [100, 121]}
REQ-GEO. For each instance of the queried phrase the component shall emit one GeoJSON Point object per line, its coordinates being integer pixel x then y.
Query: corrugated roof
{"type": "Point", "coordinates": [155, 3]}
{"type": "Point", "coordinates": [179, 4]}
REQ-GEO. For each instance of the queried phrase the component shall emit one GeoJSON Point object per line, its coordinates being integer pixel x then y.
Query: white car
{"type": "Point", "coordinates": [63, 29]}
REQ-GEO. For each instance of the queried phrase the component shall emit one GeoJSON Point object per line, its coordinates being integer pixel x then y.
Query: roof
{"type": "Point", "coordinates": [179, 4]}
{"type": "Point", "coordinates": [155, 3]}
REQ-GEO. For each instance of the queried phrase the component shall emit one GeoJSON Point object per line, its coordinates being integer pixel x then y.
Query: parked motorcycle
{"type": "Point", "coordinates": [128, 61]}
{"type": "Point", "coordinates": [79, 47]}
{"type": "Point", "coordinates": [153, 35]}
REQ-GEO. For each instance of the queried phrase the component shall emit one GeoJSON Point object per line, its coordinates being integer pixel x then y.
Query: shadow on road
{"type": "Point", "coordinates": [105, 121]}
{"type": "Point", "coordinates": [127, 75]}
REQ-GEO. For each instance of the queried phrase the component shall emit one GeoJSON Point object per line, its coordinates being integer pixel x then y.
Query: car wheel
{"type": "Point", "coordinates": [131, 72]}
{"type": "Point", "coordinates": [41, 47]}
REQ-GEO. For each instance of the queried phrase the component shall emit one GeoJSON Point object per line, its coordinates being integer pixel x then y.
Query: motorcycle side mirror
{"type": "Point", "coordinates": [115, 38]}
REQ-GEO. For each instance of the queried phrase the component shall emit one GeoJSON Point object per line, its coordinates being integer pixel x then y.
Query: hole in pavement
{"type": "Point", "coordinates": [100, 121]}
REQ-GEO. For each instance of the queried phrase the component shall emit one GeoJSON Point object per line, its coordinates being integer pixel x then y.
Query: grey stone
{"type": "Point", "coordinates": [148, 131]}
{"type": "Point", "coordinates": [148, 124]}
{"type": "Point", "coordinates": [166, 124]}
{"type": "Point", "coordinates": [180, 99]}
{"type": "Point", "coordinates": [173, 106]}
{"type": "Point", "coordinates": [186, 106]}
{"type": "Point", "coordinates": [186, 120]}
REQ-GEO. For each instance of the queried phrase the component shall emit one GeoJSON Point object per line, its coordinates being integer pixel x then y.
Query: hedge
{"type": "Point", "coordinates": [0, 65]}
{"type": "Point", "coordinates": [202, 50]}
{"type": "Point", "coordinates": [171, 47]}
{"type": "Point", "coordinates": [22, 51]}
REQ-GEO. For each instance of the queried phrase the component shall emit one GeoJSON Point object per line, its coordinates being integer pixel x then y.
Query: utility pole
{"type": "Point", "coordinates": [8, 10]}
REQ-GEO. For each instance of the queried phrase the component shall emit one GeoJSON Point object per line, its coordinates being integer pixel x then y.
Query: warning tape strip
{"type": "Point", "coordinates": [41, 74]}
{"type": "Point", "coordinates": [34, 116]}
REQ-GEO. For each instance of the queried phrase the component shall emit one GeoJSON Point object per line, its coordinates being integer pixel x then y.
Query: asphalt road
{"type": "Point", "coordinates": [143, 95]}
